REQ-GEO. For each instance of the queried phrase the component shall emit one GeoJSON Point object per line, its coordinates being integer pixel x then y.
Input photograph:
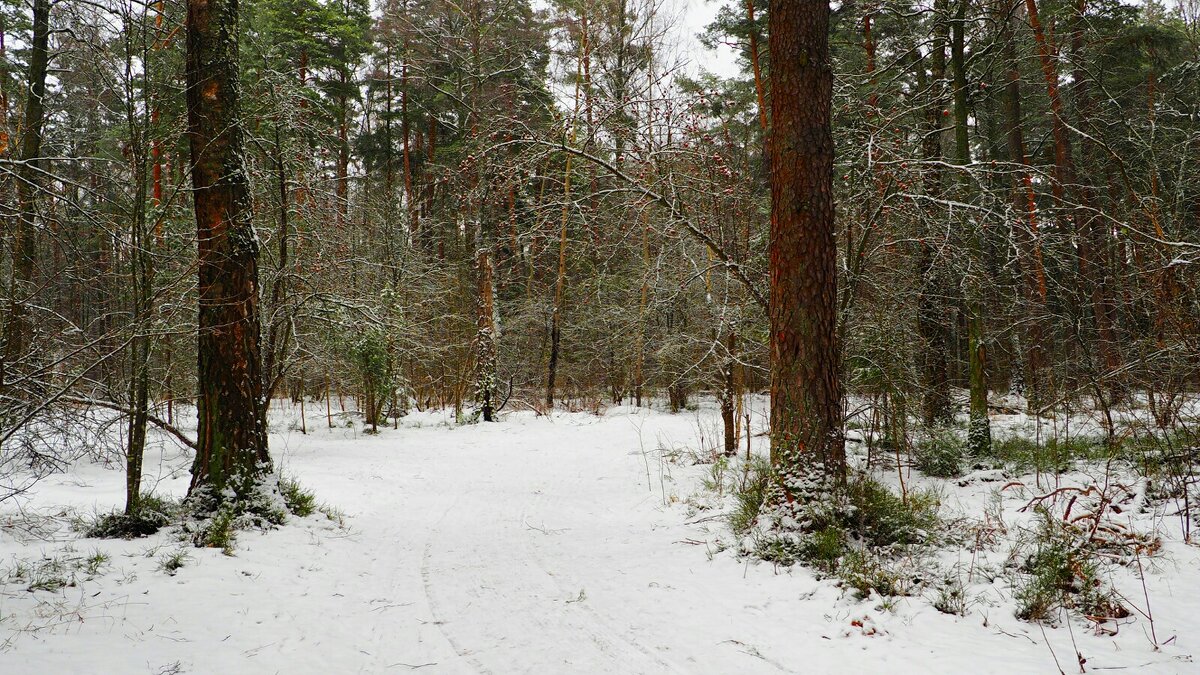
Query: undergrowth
{"type": "Point", "coordinates": [153, 513]}
{"type": "Point", "coordinates": [1060, 572]}
{"type": "Point", "coordinates": [54, 573]}
{"type": "Point", "coordinates": [940, 455]}
{"type": "Point", "coordinates": [1053, 455]}
{"type": "Point", "coordinates": [856, 535]}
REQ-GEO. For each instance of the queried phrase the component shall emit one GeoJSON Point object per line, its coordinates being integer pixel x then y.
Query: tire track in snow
{"type": "Point", "coordinates": [497, 604]}
{"type": "Point", "coordinates": [435, 610]}
{"type": "Point", "coordinates": [599, 622]}
{"type": "Point", "coordinates": [596, 618]}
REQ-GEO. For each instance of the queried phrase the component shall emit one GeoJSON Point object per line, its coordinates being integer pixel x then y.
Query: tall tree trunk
{"type": "Point", "coordinates": [279, 327]}
{"type": "Point", "coordinates": [1064, 177]}
{"type": "Point", "coordinates": [979, 432]}
{"type": "Point", "coordinates": [232, 436]}
{"type": "Point", "coordinates": [1026, 224]}
{"type": "Point", "coordinates": [561, 281]}
{"type": "Point", "coordinates": [639, 375]}
{"type": "Point", "coordinates": [1093, 240]}
{"type": "Point", "coordinates": [932, 310]}
{"type": "Point", "coordinates": [806, 387]}
{"type": "Point", "coordinates": [342, 188]}
{"type": "Point", "coordinates": [141, 271]}
{"type": "Point", "coordinates": [756, 68]}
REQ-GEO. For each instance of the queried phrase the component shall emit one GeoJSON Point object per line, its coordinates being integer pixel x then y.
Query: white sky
{"type": "Point", "coordinates": [694, 16]}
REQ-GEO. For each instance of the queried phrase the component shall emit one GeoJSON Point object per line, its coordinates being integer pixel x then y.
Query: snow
{"type": "Point", "coordinates": [562, 544]}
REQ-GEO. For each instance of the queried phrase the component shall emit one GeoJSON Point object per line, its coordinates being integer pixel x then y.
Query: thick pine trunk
{"type": "Point", "coordinates": [806, 388]}
{"type": "Point", "coordinates": [232, 439]}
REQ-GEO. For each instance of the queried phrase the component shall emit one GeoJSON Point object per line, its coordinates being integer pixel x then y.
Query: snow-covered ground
{"type": "Point", "coordinates": [568, 544]}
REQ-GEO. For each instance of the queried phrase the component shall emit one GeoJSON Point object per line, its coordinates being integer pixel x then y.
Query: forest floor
{"type": "Point", "coordinates": [575, 543]}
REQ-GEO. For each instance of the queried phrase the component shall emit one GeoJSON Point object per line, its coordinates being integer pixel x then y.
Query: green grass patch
{"type": "Point", "coordinates": [1054, 455]}
{"type": "Point", "coordinates": [299, 502]}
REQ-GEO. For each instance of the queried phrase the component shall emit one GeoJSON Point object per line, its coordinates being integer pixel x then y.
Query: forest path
{"type": "Point", "coordinates": [544, 546]}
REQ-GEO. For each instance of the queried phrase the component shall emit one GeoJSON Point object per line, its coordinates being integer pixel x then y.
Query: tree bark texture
{"type": "Point", "coordinates": [18, 328]}
{"type": "Point", "coordinates": [806, 391]}
{"type": "Point", "coordinates": [232, 438]}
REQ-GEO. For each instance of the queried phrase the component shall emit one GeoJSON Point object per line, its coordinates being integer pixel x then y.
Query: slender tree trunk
{"type": "Point", "coordinates": [561, 281]}
{"type": "Point", "coordinates": [141, 271]}
{"type": "Point", "coordinates": [18, 329]}
{"type": "Point", "coordinates": [232, 435]}
{"type": "Point", "coordinates": [730, 395]}
{"type": "Point", "coordinates": [1026, 224]}
{"type": "Point", "coordinates": [980, 431]}
{"type": "Point", "coordinates": [485, 336]}
{"type": "Point", "coordinates": [932, 310]}
{"type": "Point", "coordinates": [342, 188]}
{"type": "Point", "coordinates": [806, 387]}
{"type": "Point", "coordinates": [279, 331]}
{"type": "Point", "coordinates": [639, 376]}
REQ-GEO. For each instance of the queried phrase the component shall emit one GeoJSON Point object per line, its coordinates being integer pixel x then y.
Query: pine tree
{"type": "Point", "coordinates": [231, 454]}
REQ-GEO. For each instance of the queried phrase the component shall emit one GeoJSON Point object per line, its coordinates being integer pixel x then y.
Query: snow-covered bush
{"type": "Point", "coordinates": [940, 455]}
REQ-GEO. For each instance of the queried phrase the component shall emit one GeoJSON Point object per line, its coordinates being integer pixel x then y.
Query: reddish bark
{"type": "Point", "coordinates": [1089, 237]}
{"type": "Point", "coordinates": [806, 391]}
{"type": "Point", "coordinates": [232, 440]}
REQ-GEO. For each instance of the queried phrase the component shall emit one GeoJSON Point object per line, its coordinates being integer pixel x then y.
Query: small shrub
{"type": "Point", "coordinates": [940, 455]}
{"type": "Point", "coordinates": [218, 531]}
{"type": "Point", "coordinates": [879, 517]}
{"type": "Point", "coordinates": [1059, 574]}
{"type": "Point", "coordinates": [824, 548]}
{"type": "Point", "coordinates": [153, 513]}
{"type": "Point", "coordinates": [866, 572]}
{"type": "Point", "coordinates": [779, 548]}
{"type": "Point", "coordinates": [951, 598]}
